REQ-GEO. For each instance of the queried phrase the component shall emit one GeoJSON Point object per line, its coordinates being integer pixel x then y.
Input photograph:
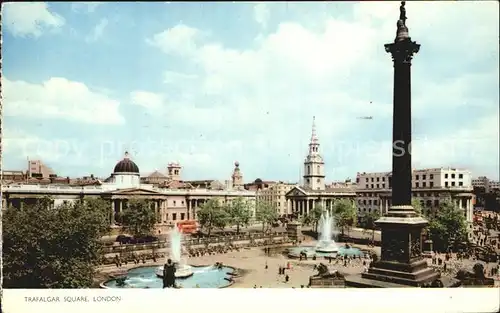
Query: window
{"type": "Point", "coordinates": [431, 184]}
{"type": "Point", "coordinates": [383, 178]}
{"type": "Point", "coordinates": [308, 169]}
{"type": "Point", "coordinates": [364, 201]}
{"type": "Point", "coordinates": [182, 216]}
{"type": "Point", "coordinates": [375, 202]}
{"type": "Point", "coordinates": [460, 176]}
{"type": "Point", "coordinates": [428, 203]}
{"type": "Point", "coordinates": [370, 202]}
{"type": "Point", "coordinates": [431, 176]}
{"type": "Point", "coordinates": [377, 186]}
{"type": "Point", "coordinates": [174, 216]}
{"type": "Point", "coordinates": [446, 184]}
{"type": "Point", "coordinates": [378, 178]}
{"type": "Point", "coordinates": [307, 180]}
{"type": "Point", "coordinates": [460, 183]}
{"type": "Point", "coordinates": [416, 185]}
{"type": "Point", "coordinates": [452, 175]}
{"type": "Point", "coordinates": [182, 202]}
{"type": "Point", "coordinates": [366, 186]}
{"type": "Point", "coordinates": [453, 183]}
{"type": "Point", "coordinates": [424, 184]}
{"type": "Point", "coordinates": [383, 186]}
{"type": "Point", "coordinates": [372, 186]}
{"type": "Point", "coordinates": [357, 180]}
{"type": "Point", "coordinates": [174, 203]}
{"type": "Point", "coordinates": [416, 177]}
{"type": "Point", "coordinates": [367, 180]}
{"type": "Point", "coordinates": [424, 177]}
{"type": "Point", "coordinates": [445, 175]}
{"type": "Point", "coordinates": [372, 180]}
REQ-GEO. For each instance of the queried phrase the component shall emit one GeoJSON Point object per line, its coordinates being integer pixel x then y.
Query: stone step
{"type": "Point", "coordinates": [405, 275]}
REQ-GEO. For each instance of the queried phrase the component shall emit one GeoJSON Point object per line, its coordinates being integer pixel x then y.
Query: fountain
{"type": "Point", "coordinates": [212, 276]}
{"type": "Point", "coordinates": [325, 229]}
{"type": "Point", "coordinates": [183, 270]}
{"type": "Point", "coordinates": [326, 246]}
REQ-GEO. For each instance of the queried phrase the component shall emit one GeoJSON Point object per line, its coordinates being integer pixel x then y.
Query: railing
{"type": "Point", "coordinates": [191, 242]}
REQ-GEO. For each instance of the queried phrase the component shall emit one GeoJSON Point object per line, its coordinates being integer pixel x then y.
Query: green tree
{"type": "Point", "coordinates": [239, 213]}
{"type": "Point", "coordinates": [369, 220]}
{"type": "Point", "coordinates": [315, 215]}
{"type": "Point", "coordinates": [139, 217]}
{"type": "Point", "coordinates": [448, 227]}
{"type": "Point", "coordinates": [417, 206]}
{"type": "Point", "coordinates": [211, 215]}
{"type": "Point", "coordinates": [266, 214]}
{"type": "Point", "coordinates": [45, 247]}
{"type": "Point", "coordinates": [344, 212]}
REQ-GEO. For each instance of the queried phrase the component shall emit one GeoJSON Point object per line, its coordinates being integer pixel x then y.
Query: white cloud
{"type": "Point", "coordinates": [179, 39]}
{"type": "Point", "coordinates": [59, 98]}
{"type": "Point", "coordinates": [98, 30]}
{"type": "Point", "coordinates": [29, 18]}
{"type": "Point", "coordinates": [266, 95]}
{"type": "Point", "coordinates": [261, 14]}
{"type": "Point", "coordinates": [147, 99]}
{"type": "Point", "coordinates": [85, 7]}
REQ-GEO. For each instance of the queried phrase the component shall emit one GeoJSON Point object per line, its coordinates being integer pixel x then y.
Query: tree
{"type": "Point", "coordinates": [45, 247]}
{"type": "Point", "coordinates": [417, 206]}
{"type": "Point", "coordinates": [315, 215]}
{"type": "Point", "coordinates": [448, 226]}
{"type": "Point", "coordinates": [238, 213]}
{"type": "Point", "coordinates": [344, 212]}
{"type": "Point", "coordinates": [265, 213]}
{"type": "Point", "coordinates": [369, 221]}
{"type": "Point", "coordinates": [139, 217]}
{"type": "Point", "coordinates": [211, 214]}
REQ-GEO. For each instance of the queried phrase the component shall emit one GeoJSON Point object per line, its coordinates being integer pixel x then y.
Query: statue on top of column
{"type": "Point", "coordinates": [402, 12]}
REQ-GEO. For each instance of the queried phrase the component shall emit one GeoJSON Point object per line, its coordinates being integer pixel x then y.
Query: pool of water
{"type": "Point", "coordinates": [311, 251]}
{"type": "Point", "coordinates": [203, 277]}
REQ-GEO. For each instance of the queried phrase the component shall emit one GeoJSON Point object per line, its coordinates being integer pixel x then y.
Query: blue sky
{"type": "Point", "coordinates": [208, 84]}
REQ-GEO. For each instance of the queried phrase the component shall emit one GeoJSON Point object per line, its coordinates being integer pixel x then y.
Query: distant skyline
{"type": "Point", "coordinates": [207, 84]}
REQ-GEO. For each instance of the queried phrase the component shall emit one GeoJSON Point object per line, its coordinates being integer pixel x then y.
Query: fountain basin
{"type": "Point", "coordinates": [182, 271]}
{"type": "Point", "coordinates": [202, 277]}
{"type": "Point", "coordinates": [327, 247]}
{"type": "Point", "coordinates": [310, 251]}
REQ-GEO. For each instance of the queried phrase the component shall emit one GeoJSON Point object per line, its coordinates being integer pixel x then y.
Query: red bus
{"type": "Point", "coordinates": [187, 227]}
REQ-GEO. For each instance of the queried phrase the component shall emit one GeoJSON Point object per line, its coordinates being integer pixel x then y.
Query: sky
{"type": "Point", "coordinates": [207, 84]}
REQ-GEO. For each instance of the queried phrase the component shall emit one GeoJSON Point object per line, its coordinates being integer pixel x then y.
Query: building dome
{"type": "Point", "coordinates": [126, 166]}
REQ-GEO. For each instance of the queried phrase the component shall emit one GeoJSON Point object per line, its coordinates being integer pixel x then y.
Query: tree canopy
{"type": "Point", "coordinates": [369, 220]}
{"type": "Point", "coordinates": [238, 213]}
{"type": "Point", "coordinates": [139, 217]}
{"type": "Point", "coordinates": [344, 211]}
{"type": "Point", "coordinates": [212, 215]}
{"type": "Point", "coordinates": [45, 247]}
{"type": "Point", "coordinates": [315, 215]}
{"type": "Point", "coordinates": [265, 213]}
{"type": "Point", "coordinates": [448, 227]}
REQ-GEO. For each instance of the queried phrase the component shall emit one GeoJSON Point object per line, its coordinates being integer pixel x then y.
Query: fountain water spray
{"type": "Point", "coordinates": [182, 270]}
{"type": "Point", "coordinates": [326, 229]}
{"type": "Point", "coordinates": [175, 245]}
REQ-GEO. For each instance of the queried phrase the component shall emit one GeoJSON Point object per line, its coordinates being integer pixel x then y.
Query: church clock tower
{"type": "Point", "coordinates": [314, 167]}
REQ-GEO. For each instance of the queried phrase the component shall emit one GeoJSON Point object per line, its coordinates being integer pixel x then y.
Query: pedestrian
{"type": "Point", "coordinates": [287, 278]}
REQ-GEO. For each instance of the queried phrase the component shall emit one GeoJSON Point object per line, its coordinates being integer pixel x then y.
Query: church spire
{"type": "Point", "coordinates": [314, 144]}
{"type": "Point", "coordinates": [314, 174]}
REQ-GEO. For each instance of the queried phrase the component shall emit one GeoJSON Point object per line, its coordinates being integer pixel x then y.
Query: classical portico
{"type": "Point", "coordinates": [301, 201]}
{"type": "Point", "coordinates": [119, 200]}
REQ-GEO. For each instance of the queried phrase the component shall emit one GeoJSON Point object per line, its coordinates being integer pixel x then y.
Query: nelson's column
{"type": "Point", "coordinates": [401, 263]}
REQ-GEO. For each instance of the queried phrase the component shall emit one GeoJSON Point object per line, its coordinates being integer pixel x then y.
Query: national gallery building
{"type": "Point", "coordinates": [172, 198]}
